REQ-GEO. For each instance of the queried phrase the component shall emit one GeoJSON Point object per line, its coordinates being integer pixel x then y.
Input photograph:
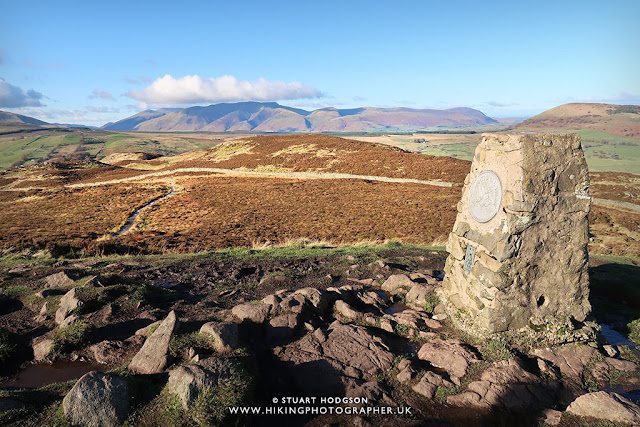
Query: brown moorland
{"type": "Point", "coordinates": [212, 211]}
{"type": "Point", "coordinates": [316, 153]}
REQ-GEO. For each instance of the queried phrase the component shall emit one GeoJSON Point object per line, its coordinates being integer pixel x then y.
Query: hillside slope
{"type": "Point", "coordinates": [8, 117]}
{"type": "Point", "coordinates": [622, 120]}
{"type": "Point", "coordinates": [273, 117]}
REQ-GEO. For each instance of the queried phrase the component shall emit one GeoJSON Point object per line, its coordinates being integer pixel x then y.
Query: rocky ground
{"type": "Point", "coordinates": [177, 340]}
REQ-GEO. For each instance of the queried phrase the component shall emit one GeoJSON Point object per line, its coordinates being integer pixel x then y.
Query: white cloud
{"type": "Point", "coordinates": [195, 89]}
{"type": "Point", "coordinates": [13, 97]}
{"type": "Point", "coordinates": [99, 93]}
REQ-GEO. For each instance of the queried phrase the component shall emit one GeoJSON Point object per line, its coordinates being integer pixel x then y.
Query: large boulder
{"type": "Point", "coordinates": [68, 303]}
{"type": "Point", "coordinates": [606, 406]}
{"type": "Point", "coordinates": [97, 400]}
{"type": "Point", "coordinates": [153, 357]}
{"type": "Point", "coordinates": [189, 381]}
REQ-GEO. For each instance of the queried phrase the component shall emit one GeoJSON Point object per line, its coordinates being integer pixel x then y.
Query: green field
{"type": "Point", "coordinates": [33, 146]}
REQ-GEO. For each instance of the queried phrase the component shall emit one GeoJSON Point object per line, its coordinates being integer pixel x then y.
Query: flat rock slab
{"type": "Point", "coordinates": [570, 358]}
{"type": "Point", "coordinates": [58, 279]}
{"type": "Point", "coordinates": [450, 355]}
{"type": "Point", "coordinates": [329, 362]}
{"type": "Point", "coordinates": [606, 406]}
{"type": "Point", "coordinates": [152, 357]}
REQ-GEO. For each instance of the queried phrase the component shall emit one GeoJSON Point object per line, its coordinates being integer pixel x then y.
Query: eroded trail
{"type": "Point", "coordinates": [235, 172]}
{"type": "Point", "coordinates": [132, 218]}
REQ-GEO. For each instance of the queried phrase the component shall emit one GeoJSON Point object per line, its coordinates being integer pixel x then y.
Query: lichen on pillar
{"type": "Point", "coordinates": [518, 256]}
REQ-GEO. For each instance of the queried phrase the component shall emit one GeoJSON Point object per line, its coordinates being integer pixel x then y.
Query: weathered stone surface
{"type": "Point", "coordinates": [225, 335]}
{"type": "Point", "coordinates": [283, 327]}
{"type": "Point", "coordinates": [59, 279]}
{"type": "Point", "coordinates": [42, 349]}
{"type": "Point", "coordinates": [42, 316]}
{"type": "Point", "coordinates": [606, 406]}
{"type": "Point", "coordinates": [418, 294]}
{"type": "Point", "coordinates": [319, 299]}
{"type": "Point", "coordinates": [188, 381]}
{"type": "Point", "coordinates": [508, 371]}
{"type": "Point", "coordinates": [449, 355]}
{"type": "Point", "coordinates": [551, 417]}
{"type": "Point", "coordinates": [507, 397]}
{"type": "Point", "coordinates": [414, 319]}
{"type": "Point", "coordinates": [292, 304]}
{"type": "Point", "coordinates": [324, 362]}
{"type": "Point", "coordinates": [97, 399]}
{"type": "Point", "coordinates": [397, 281]}
{"type": "Point", "coordinates": [143, 332]}
{"type": "Point", "coordinates": [425, 388]}
{"type": "Point", "coordinates": [530, 263]}
{"type": "Point", "coordinates": [153, 357]}
{"type": "Point", "coordinates": [347, 312]}
{"type": "Point", "coordinates": [256, 313]}
{"type": "Point", "coordinates": [107, 351]}
{"type": "Point", "coordinates": [570, 358]}
{"type": "Point", "coordinates": [68, 303]}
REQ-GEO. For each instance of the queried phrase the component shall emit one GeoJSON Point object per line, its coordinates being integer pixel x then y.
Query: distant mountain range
{"type": "Point", "coordinates": [273, 117]}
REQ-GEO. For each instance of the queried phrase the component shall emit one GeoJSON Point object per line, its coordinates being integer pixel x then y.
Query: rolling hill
{"type": "Point", "coordinates": [8, 117]}
{"type": "Point", "coordinates": [610, 133]}
{"type": "Point", "coordinates": [273, 117]}
{"type": "Point", "coordinates": [621, 120]}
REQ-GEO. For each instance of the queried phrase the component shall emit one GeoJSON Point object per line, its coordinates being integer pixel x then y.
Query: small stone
{"type": "Point", "coordinates": [425, 388]}
{"type": "Point", "coordinates": [610, 350]}
{"type": "Point", "coordinates": [346, 311]}
{"type": "Point", "coordinates": [551, 417]}
{"type": "Point", "coordinates": [68, 303]}
{"type": "Point", "coordinates": [406, 375]}
{"type": "Point", "coordinates": [256, 313]}
{"type": "Point", "coordinates": [42, 349]}
{"type": "Point", "coordinates": [224, 334]}
{"type": "Point", "coordinates": [397, 281]}
{"type": "Point", "coordinates": [107, 351]}
{"type": "Point", "coordinates": [58, 280]}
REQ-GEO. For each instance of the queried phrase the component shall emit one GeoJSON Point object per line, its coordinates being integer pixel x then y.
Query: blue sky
{"type": "Point", "coordinates": [94, 62]}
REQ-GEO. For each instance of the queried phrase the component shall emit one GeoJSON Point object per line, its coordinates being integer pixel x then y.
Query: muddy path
{"type": "Point", "coordinates": [129, 223]}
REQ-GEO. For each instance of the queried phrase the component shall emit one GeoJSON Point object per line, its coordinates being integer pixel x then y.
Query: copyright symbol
{"type": "Point", "coordinates": [274, 400]}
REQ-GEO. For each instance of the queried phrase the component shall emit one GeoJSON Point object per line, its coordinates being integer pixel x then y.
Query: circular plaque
{"type": "Point", "coordinates": [485, 196]}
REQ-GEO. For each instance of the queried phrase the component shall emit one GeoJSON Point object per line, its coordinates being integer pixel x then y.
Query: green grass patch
{"type": "Point", "coordinates": [71, 338]}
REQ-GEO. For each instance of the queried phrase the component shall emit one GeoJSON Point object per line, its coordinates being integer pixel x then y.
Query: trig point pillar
{"type": "Point", "coordinates": [518, 250]}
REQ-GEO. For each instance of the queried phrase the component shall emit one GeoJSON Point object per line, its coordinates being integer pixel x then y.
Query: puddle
{"type": "Point", "coordinates": [396, 308]}
{"type": "Point", "coordinates": [132, 218]}
{"type": "Point", "coordinates": [615, 338]}
{"type": "Point", "coordinates": [43, 374]}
